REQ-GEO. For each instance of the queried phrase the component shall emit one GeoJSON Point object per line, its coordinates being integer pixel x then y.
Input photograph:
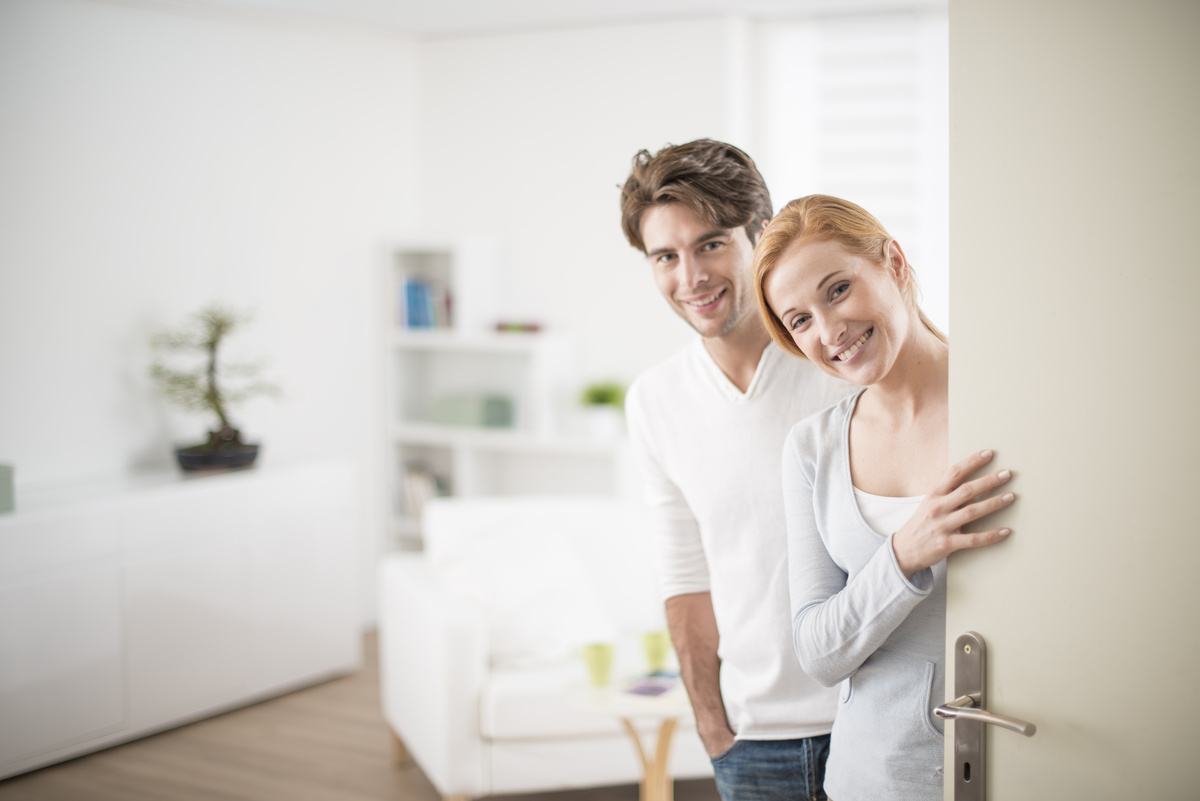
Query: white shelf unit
{"type": "Point", "coordinates": [462, 356]}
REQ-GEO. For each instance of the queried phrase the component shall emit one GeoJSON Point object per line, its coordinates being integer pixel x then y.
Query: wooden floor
{"type": "Point", "coordinates": [324, 743]}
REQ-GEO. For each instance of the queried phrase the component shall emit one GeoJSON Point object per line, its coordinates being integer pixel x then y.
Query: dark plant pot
{"type": "Point", "coordinates": [227, 457]}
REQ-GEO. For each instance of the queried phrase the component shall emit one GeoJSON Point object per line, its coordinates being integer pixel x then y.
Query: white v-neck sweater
{"type": "Point", "coordinates": [711, 459]}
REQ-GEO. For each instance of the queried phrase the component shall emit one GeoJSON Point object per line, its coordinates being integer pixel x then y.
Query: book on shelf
{"type": "Point", "coordinates": [424, 303]}
{"type": "Point", "coordinates": [418, 484]}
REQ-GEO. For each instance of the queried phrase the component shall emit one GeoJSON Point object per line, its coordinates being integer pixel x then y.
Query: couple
{"type": "Point", "coordinates": [787, 575]}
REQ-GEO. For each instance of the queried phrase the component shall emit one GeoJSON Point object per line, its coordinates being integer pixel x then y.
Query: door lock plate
{"type": "Point", "coordinates": [970, 679]}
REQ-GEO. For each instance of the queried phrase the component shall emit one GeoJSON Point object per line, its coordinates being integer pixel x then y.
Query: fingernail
{"type": "Point", "coordinates": [1006, 497]}
{"type": "Point", "coordinates": [986, 454]}
{"type": "Point", "coordinates": [1004, 532]}
{"type": "Point", "coordinates": [1003, 475]}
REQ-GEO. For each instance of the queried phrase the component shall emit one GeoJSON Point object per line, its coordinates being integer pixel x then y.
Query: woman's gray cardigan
{"type": "Point", "coordinates": [858, 621]}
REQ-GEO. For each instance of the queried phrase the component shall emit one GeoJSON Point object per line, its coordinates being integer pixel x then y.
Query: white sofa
{"type": "Point", "coordinates": [479, 638]}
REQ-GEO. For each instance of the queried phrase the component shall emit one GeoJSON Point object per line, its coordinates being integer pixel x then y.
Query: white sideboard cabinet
{"type": "Point", "coordinates": [137, 604]}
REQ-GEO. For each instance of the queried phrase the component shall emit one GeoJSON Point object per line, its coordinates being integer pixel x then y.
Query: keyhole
{"type": "Point", "coordinates": [966, 771]}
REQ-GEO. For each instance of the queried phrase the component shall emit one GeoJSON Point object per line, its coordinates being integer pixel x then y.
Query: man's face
{"type": "Point", "coordinates": [702, 271]}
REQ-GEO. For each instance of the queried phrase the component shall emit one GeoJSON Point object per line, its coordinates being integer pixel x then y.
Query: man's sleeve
{"type": "Point", "coordinates": [679, 553]}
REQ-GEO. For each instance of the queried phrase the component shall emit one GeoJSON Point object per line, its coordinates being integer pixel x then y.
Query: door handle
{"type": "Point", "coordinates": [964, 708]}
{"type": "Point", "coordinates": [970, 713]}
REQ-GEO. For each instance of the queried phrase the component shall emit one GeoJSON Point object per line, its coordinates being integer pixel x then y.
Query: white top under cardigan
{"type": "Point", "coordinates": [711, 463]}
{"type": "Point", "coordinates": [858, 621]}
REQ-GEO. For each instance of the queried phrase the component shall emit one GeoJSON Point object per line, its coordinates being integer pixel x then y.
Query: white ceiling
{"type": "Point", "coordinates": [450, 17]}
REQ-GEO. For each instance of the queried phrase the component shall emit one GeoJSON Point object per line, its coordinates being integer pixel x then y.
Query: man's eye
{"type": "Point", "coordinates": [664, 258]}
{"type": "Point", "coordinates": [712, 245]}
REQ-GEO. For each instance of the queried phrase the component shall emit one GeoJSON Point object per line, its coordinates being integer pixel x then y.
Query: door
{"type": "Point", "coordinates": [1075, 354]}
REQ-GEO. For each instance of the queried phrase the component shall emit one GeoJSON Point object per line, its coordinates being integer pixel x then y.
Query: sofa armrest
{"type": "Point", "coordinates": [433, 660]}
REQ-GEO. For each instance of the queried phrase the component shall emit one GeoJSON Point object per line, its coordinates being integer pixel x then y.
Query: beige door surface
{"type": "Point", "coordinates": [1075, 354]}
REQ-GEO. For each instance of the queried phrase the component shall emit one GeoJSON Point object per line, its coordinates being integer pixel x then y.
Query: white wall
{"type": "Point", "coordinates": [526, 140]}
{"type": "Point", "coordinates": [527, 136]}
{"type": "Point", "coordinates": [153, 162]}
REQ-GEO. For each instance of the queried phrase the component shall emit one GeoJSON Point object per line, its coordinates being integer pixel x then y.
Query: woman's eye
{"type": "Point", "coordinates": [839, 289]}
{"type": "Point", "coordinates": [798, 322]}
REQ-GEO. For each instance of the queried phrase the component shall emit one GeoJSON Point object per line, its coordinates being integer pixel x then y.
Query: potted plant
{"type": "Point", "coordinates": [604, 408]}
{"type": "Point", "coordinates": [209, 385]}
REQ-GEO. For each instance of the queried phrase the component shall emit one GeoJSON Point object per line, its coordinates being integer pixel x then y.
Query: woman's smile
{"type": "Point", "coordinates": [849, 352]}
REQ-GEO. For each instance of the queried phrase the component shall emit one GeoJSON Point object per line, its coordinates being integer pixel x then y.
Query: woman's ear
{"type": "Point", "coordinates": [896, 263]}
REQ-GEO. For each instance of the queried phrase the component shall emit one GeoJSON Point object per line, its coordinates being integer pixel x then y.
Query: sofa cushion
{"type": "Point", "coordinates": [535, 598]}
{"type": "Point", "coordinates": [548, 573]}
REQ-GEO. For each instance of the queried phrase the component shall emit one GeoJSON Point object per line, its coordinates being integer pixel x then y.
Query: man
{"type": "Point", "coordinates": [708, 426]}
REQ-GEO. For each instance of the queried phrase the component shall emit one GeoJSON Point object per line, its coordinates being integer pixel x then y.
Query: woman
{"type": "Point", "coordinates": [872, 512]}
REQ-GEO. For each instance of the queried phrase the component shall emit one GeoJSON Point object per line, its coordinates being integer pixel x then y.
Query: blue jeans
{"type": "Point", "coordinates": [773, 770]}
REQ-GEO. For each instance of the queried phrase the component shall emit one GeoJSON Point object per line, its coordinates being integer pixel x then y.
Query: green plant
{"type": "Point", "coordinates": [604, 393]}
{"type": "Point", "coordinates": [209, 385]}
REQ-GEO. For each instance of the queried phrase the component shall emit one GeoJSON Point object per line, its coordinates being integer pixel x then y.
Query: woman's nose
{"type": "Point", "coordinates": [833, 332]}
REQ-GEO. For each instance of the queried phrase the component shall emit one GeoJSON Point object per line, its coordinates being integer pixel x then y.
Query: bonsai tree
{"type": "Point", "coordinates": [208, 385]}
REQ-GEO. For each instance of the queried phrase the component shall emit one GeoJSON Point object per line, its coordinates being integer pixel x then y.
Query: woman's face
{"type": "Point", "coordinates": [845, 311]}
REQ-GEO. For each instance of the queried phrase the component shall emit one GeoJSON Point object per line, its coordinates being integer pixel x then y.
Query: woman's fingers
{"type": "Point", "coordinates": [974, 511]}
{"type": "Point", "coordinates": [960, 470]}
{"type": "Point", "coordinates": [976, 539]}
{"type": "Point", "coordinates": [935, 531]}
{"type": "Point", "coordinates": [973, 489]}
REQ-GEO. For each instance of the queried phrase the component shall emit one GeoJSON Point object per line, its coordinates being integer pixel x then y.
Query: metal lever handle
{"type": "Point", "coordinates": [964, 707]}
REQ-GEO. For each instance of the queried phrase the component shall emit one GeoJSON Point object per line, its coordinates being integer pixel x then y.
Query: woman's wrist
{"type": "Point", "coordinates": [904, 560]}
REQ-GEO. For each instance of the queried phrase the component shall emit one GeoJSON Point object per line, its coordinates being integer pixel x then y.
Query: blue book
{"type": "Point", "coordinates": [424, 306]}
{"type": "Point", "coordinates": [411, 304]}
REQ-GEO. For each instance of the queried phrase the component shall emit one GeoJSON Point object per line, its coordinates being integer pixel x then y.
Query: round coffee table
{"type": "Point", "coordinates": [617, 701]}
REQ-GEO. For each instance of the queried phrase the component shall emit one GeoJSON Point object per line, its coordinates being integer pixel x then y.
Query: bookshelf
{"type": "Point", "coordinates": [472, 410]}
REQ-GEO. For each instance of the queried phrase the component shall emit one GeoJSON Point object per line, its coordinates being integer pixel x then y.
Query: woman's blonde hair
{"type": "Point", "coordinates": [822, 217]}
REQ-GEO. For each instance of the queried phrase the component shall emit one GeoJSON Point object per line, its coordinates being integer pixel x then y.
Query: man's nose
{"type": "Point", "coordinates": [693, 271]}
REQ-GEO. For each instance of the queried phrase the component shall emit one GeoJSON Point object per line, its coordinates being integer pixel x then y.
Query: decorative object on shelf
{"type": "Point", "coordinates": [206, 387]}
{"type": "Point", "coordinates": [481, 411]}
{"type": "Point", "coordinates": [507, 326]}
{"type": "Point", "coordinates": [7, 496]}
{"type": "Point", "coordinates": [604, 408]}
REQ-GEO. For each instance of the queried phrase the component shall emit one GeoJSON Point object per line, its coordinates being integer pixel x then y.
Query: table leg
{"type": "Point", "coordinates": [657, 784]}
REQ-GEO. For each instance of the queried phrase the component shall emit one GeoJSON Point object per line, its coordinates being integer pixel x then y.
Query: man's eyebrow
{"type": "Point", "coordinates": [713, 234]}
{"type": "Point", "coordinates": [707, 235]}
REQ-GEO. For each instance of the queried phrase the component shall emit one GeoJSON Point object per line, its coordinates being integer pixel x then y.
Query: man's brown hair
{"type": "Point", "coordinates": [714, 179]}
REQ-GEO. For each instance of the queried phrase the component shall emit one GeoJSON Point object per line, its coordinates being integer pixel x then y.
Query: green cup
{"type": "Point", "coordinates": [657, 644]}
{"type": "Point", "coordinates": [599, 658]}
